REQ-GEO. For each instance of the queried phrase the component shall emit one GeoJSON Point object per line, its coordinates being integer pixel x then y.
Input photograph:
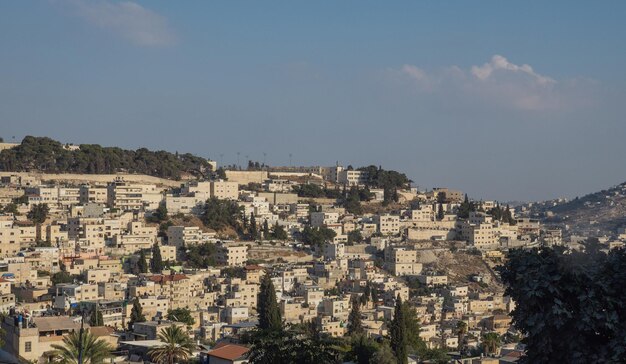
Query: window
{"type": "Point", "coordinates": [28, 346]}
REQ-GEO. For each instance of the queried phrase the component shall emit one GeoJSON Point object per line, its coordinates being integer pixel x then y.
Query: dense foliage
{"type": "Point", "coordinates": [201, 255]}
{"type": "Point", "coordinates": [181, 315]}
{"type": "Point", "coordinates": [315, 191]}
{"type": "Point", "coordinates": [50, 156]}
{"type": "Point", "coordinates": [219, 214]}
{"type": "Point", "coordinates": [38, 213]}
{"type": "Point", "coordinates": [570, 306]}
{"type": "Point", "coordinates": [316, 236]}
{"type": "Point", "coordinates": [156, 263]}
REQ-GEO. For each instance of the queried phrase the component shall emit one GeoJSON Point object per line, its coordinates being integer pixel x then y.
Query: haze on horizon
{"type": "Point", "coordinates": [507, 101]}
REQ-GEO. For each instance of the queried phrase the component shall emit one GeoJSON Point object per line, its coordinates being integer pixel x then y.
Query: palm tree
{"type": "Point", "coordinates": [94, 351]}
{"type": "Point", "coordinates": [491, 342]}
{"type": "Point", "coordinates": [177, 346]}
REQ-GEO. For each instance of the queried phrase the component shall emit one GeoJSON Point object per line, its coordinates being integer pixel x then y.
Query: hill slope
{"type": "Point", "coordinates": [596, 214]}
{"type": "Point", "coordinates": [49, 156]}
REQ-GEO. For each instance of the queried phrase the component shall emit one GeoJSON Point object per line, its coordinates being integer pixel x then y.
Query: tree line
{"type": "Point", "coordinates": [50, 156]}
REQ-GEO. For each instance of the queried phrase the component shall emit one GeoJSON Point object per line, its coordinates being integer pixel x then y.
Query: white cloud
{"type": "Point", "coordinates": [497, 83]}
{"type": "Point", "coordinates": [127, 19]}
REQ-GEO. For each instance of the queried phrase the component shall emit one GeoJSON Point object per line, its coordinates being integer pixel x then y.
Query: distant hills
{"type": "Point", "coordinates": [596, 214]}
{"type": "Point", "coordinates": [46, 155]}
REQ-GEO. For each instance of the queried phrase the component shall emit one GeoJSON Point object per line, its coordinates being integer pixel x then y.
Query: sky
{"type": "Point", "coordinates": [503, 100]}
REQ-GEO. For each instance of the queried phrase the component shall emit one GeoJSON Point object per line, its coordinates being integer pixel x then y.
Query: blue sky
{"type": "Point", "coordinates": [503, 100]}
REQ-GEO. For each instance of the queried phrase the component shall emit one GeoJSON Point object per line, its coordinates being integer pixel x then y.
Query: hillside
{"type": "Point", "coordinates": [596, 214]}
{"type": "Point", "coordinates": [45, 155]}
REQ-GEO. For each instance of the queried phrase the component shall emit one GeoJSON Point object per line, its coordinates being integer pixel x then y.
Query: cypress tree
{"type": "Point", "coordinates": [266, 229]}
{"type": "Point", "coordinates": [156, 263]}
{"type": "Point", "coordinates": [253, 230]}
{"type": "Point", "coordinates": [440, 214]}
{"type": "Point", "coordinates": [96, 318]}
{"type": "Point", "coordinates": [142, 265]}
{"type": "Point", "coordinates": [269, 313]}
{"type": "Point", "coordinates": [398, 334]}
{"type": "Point", "coordinates": [355, 326]}
{"type": "Point", "coordinates": [136, 313]}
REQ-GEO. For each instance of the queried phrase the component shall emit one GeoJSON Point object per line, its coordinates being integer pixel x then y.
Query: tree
{"type": "Point", "coordinates": [253, 231]}
{"type": "Point", "coordinates": [142, 265]}
{"type": "Point", "coordinates": [317, 236]}
{"type": "Point", "coordinates": [177, 346]}
{"type": "Point", "coordinates": [491, 342]}
{"type": "Point", "coordinates": [278, 232]}
{"type": "Point", "coordinates": [303, 344]}
{"type": "Point", "coordinates": [39, 213]}
{"type": "Point", "coordinates": [93, 350]}
{"type": "Point", "coordinates": [355, 326]}
{"type": "Point", "coordinates": [181, 315]}
{"type": "Point", "coordinates": [267, 307]}
{"type": "Point", "coordinates": [465, 208]}
{"type": "Point", "coordinates": [570, 305]}
{"type": "Point", "coordinates": [384, 355]}
{"type": "Point", "coordinates": [201, 255]}
{"type": "Point", "coordinates": [96, 319]}
{"type": "Point", "coordinates": [412, 329]}
{"type": "Point", "coordinates": [440, 213]}
{"type": "Point", "coordinates": [266, 229]}
{"type": "Point", "coordinates": [355, 236]}
{"type": "Point", "coordinates": [398, 333]}
{"type": "Point", "coordinates": [219, 214]}
{"type": "Point", "coordinates": [461, 328]}
{"type": "Point", "coordinates": [136, 313]}
{"type": "Point", "coordinates": [362, 348]}
{"type": "Point", "coordinates": [352, 201]}
{"type": "Point", "coordinates": [156, 263]}
{"type": "Point", "coordinates": [160, 214]}
{"type": "Point", "coordinates": [61, 277]}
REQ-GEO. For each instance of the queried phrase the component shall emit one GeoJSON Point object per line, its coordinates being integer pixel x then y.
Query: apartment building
{"type": "Point", "coordinates": [182, 236]}
{"type": "Point", "coordinates": [388, 224]}
{"type": "Point", "coordinates": [402, 261]}
{"type": "Point", "coordinates": [93, 194]}
{"type": "Point", "coordinates": [232, 255]}
{"type": "Point", "coordinates": [127, 196]}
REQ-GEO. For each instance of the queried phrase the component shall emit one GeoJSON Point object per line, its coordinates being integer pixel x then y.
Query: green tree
{"type": "Point", "coordinates": [136, 313]}
{"type": "Point", "coordinates": [355, 236]}
{"type": "Point", "coordinates": [201, 255]}
{"type": "Point", "coordinates": [465, 208]}
{"type": "Point", "coordinates": [461, 329]}
{"type": "Point", "coordinates": [355, 325]}
{"type": "Point", "coordinates": [267, 306]}
{"type": "Point", "coordinates": [384, 355]}
{"type": "Point", "coordinates": [160, 214]}
{"type": "Point", "coordinates": [398, 333]}
{"type": "Point", "coordinates": [181, 315]}
{"type": "Point", "coordinates": [440, 213]}
{"type": "Point", "coordinates": [96, 319]}
{"type": "Point", "coordinates": [266, 229]}
{"type": "Point", "coordinates": [412, 328]}
{"type": "Point", "coordinates": [177, 347]}
{"type": "Point", "coordinates": [352, 201]}
{"type": "Point", "coordinates": [61, 277]}
{"type": "Point", "coordinates": [93, 350]}
{"type": "Point", "coordinates": [219, 214]}
{"type": "Point", "coordinates": [491, 342]}
{"type": "Point", "coordinates": [570, 305]}
{"type": "Point", "coordinates": [39, 213]}
{"type": "Point", "coordinates": [156, 263]}
{"type": "Point", "coordinates": [317, 236]}
{"type": "Point", "coordinates": [253, 231]}
{"type": "Point", "coordinates": [279, 233]}
{"type": "Point", "coordinates": [142, 265]}
{"type": "Point", "coordinates": [362, 348]}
